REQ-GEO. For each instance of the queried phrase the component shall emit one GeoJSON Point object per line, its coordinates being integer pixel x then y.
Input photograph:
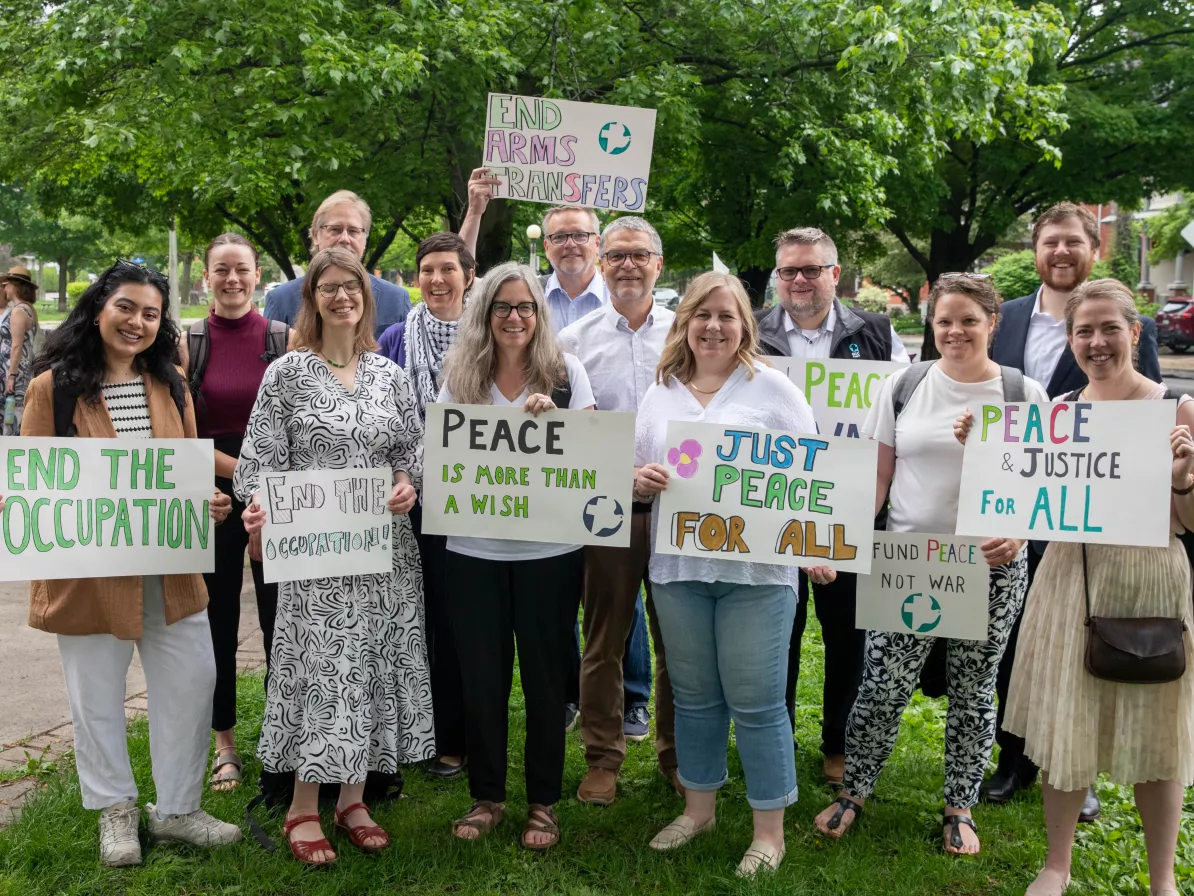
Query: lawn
{"type": "Point", "coordinates": [894, 850]}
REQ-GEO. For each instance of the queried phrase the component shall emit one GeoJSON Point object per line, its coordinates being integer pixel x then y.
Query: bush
{"type": "Point", "coordinates": [872, 298]}
{"type": "Point", "coordinates": [1146, 307]}
{"type": "Point", "coordinates": [908, 323]}
{"type": "Point", "coordinates": [416, 295]}
{"type": "Point", "coordinates": [1014, 275]}
{"type": "Point", "coordinates": [74, 290]}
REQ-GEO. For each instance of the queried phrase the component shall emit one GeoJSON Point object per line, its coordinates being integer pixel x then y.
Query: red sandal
{"type": "Point", "coordinates": [304, 849]}
{"type": "Point", "coordinates": [360, 834]}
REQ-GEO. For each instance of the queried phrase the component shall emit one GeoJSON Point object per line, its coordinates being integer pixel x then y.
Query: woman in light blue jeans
{"type": "Point", "coordinates": [727, 624]}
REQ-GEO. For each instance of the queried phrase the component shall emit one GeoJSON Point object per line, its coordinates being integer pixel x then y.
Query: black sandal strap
{"type": "Point", "coordinates": [955, 835]}
{"type": "Point", "coordinates": [844, 804]}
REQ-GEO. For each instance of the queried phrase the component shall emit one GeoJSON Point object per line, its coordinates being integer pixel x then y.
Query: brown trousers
{"type": "Point", "coordinates": [612, 580]}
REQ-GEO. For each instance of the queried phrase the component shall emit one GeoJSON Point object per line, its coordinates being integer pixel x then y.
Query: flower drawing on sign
{"type": "Point", "coordinates": [684, 458]}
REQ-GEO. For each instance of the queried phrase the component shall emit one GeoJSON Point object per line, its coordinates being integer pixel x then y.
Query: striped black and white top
{"type": "Point", "coordinates": [128, 406]}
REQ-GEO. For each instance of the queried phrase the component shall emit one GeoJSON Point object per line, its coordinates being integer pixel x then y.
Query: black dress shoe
{"type": "Point", "coordinates": [445, 770]}
{"type": "Point", "coordinates": [1000, 787]}
{"type": "Point", "coordinates": [1091, 809]}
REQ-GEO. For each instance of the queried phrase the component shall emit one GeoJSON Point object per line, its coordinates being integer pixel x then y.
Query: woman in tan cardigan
{"type": "Point", "coordinates": [117, 353]}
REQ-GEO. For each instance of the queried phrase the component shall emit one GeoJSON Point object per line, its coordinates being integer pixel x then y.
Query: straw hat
{"type": "Point", "coordinates": [19, 274]}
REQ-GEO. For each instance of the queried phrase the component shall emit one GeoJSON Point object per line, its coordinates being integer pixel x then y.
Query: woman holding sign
{"type": "Point", "coordinates": [348, 686]}
{"type": "Point", "coordinates": [502, 590]}
{"type": "Point", "coordinates": [920, 468]}
{"type": "Point", "coordinates": [1075, 724]}
{"type": "Point", "coordinates": [113, 359]}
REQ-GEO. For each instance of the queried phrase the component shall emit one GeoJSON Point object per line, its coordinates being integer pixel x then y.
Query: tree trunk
{"type": "Point", "coordinates": [63, 277]}
{"type": "Point", "coordinates": [185, 286]}
{"type": "Point", "coordinates": [755, 280]}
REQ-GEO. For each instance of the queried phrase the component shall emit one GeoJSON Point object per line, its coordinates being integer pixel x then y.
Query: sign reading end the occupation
{"type": "Point", "coordinates": [326, 523]}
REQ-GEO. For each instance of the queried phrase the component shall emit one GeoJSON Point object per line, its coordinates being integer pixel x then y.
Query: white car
{"type": "Point", "coordinates": [666, 297]}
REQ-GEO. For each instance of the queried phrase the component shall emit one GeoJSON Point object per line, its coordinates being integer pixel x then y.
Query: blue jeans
{"type": "Point", "coordinates": [636, 662]}
{"type": "Point", "coordinates": [727, 648]}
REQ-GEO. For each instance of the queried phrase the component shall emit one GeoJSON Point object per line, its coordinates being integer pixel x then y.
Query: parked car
{"type": "Point", "coordinates": [666, 297]}
{"type": "Point", "coordinates": [1175, 324]}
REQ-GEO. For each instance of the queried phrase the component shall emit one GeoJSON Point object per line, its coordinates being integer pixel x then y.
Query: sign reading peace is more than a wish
{"type": "Point", "coordinates": [563, 477]}
{"type": "Point", "coordinates": [840, 391]}
{"type": "Point", "coordinates": [88, 508]}
{"type": "Point", "coordinates": [765, 496]}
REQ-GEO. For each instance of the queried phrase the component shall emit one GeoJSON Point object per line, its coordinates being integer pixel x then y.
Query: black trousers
{"type": "Point", "coordinates": [493, 604]}
{"type": "Point", "coordinates": [1011, 747]}
{"type": "Point", "coordinates": [844, 648]}
{"type": "Point", "coordinates": [223, 606]}
{"type": "Point", "coordinates": [447, 691]}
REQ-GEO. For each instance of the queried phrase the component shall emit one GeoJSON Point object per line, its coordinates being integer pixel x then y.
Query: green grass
{"type": "Point", "coordinates": [48, 311]}
{"type": "Point", "coordinates": [894, 850]}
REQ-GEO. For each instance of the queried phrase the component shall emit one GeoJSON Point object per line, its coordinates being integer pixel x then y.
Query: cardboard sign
{"type": "Point", "coordinates": [563, 153]}
{"type": "Point", "coordinates": [925, 585]}
{"type": "Point", "coordinates": [326, 523]}
{"type": "Point", "coordinates": [765, 496]}
{"type": "Point", "coordinates": [840, 391]}
{"type": "Point", "coordinates": [563, 477]}
{"type": "Point", "coordinates": [88, 508]}
{"type": "Point", "coordinates": [1095, 472]}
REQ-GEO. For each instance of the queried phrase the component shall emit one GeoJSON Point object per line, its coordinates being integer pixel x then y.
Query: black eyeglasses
{"type": "Point", "coordinates": [639, 258]}
{"type": "Point", "coordinates": [524, 309]}
{"type": "Point", "coordinates": [810, 271]}
{"type": "Point", "coordinates": [964, 275]}
{"type": "Point", "coordinates": [580, 238]}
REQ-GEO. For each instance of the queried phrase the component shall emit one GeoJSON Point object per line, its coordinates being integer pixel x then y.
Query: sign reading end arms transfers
{"type": "Point", "coordinates": [89, 508]}
{"type": "Point", "coordinates": [764, 496]}
{"type": "Point", "coordinates": [326, 523]}
{"type": "Point", "coordinates": [563, 477]}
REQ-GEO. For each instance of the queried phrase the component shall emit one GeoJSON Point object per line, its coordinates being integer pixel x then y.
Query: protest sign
{"type": "Point", "coordinates": [1093, 472]}
{"type": "Point", "coordinates": [840, 391]}
{"type": "Point", "coordinates": [564, 153]}
{"type": "Point", "coordinates": [925, 585]}
{"type": "Point", "coordinates": [764, 496]}
{"type": "Point", "coordinates": [325, 523]}
{"type": "Point", "coordinates": [146, 504]}
{"type": "Point", "coordinates": [563, 477]}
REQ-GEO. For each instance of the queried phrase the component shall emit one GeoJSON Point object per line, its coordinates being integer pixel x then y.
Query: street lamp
{"type": "Point", "coordinates": [533, 233]}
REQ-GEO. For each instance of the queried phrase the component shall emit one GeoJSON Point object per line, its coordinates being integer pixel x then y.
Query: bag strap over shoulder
{"type": "Point", "coordinates": [1013, 384]}
{"type": "Point", "coordinates": [908, 382]}
{"type": "Point", "coordinates": [561, 395]}
{"type": "Point", "coordinates": [64, 407]}
{"type": "Point", "coordinates": [198, 348]}
{"type": "Point", "coordinates": [277, 336]}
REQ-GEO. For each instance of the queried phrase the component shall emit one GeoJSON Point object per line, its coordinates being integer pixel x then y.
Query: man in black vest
{"type": "Point", "coordinates": [810, 322]}
{"type": "Point", "coordinates": [1032, 337]}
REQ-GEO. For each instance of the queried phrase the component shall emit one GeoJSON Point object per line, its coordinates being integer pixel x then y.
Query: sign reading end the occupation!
{"type": "Point", "coordinates": [563, 477]}
{"type": "Point", "coordinates": [764, 496]}
{"type": "Point", "coordinates": [925, 585]}
{"type": "Point", "coordinates": [90, 508]}
{"type": "Point", "coordinates": [564, 153]}
{"type": "Point", "coordinates": [1094, 472]}
{"type": "Point", "coordinates": [326, 523]}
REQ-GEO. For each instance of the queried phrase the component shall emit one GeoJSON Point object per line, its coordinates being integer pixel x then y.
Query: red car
{"type": "Point", "coordinates": [1175, 324]}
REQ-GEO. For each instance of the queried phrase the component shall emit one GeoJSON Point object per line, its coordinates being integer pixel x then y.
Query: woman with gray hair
{"type": "Point", "coordinates": [500, 591]}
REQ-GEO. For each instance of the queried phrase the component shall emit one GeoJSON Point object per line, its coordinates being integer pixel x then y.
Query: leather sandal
{"type": "Point", "coordinates": [954, 822]}
{"type": "Point", "coordinates": [483, 817]}
{"type": "Point", "coordinates": [844, 805]}
{"type": "Point", "coordinates": [361, 834]}
{"type": "Point", "coordinates": [226, 768]}
{"type": "Point", "coordinates": [541, 820]}
{"type": "Point", "coordinates": [304, 849]}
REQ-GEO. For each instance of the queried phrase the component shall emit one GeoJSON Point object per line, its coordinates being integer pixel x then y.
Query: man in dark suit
{"type": "Point", "coordinates": [1031, 336]}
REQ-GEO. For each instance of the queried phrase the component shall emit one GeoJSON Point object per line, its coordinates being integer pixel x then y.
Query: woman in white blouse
{"type": "Point", "coordinates": [726, 624]}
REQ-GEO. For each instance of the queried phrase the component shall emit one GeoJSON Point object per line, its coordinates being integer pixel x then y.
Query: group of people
{"type": "Point", "coordinates": [368, 673]}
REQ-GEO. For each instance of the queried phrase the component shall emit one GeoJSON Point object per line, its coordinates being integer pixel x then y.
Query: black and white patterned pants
{"type": "Point", "coordinates": [892, 668]}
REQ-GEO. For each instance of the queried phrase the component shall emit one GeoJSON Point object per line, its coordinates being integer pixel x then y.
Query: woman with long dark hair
{"type": "Point", "coordinates": [116, 355]}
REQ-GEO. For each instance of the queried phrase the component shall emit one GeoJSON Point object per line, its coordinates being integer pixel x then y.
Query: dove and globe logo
{"type": "Point", "coordinates": [614, 138]}
{"type": "Point", "coordinates": [603, 516]}
{"type": "Point", "coordinates": [921, 613]}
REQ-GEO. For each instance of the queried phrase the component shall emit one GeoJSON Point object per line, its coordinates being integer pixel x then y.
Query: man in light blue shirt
{"type": "Point", "coordinates": [570, 243]}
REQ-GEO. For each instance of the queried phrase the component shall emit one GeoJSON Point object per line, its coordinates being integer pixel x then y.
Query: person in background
{"type": "Point", "coordinates": [116, 353]}
{"type": "Point", "coordinates": [343, 219]}
{"type": "Point", "coordinates": [348, 690]}
{"type": "Point", "coordinates": [1032, 338]}
{"type": "Point", "coordinates": [501, 591]}
{"type": "Point", "coordinates": [18, 328]}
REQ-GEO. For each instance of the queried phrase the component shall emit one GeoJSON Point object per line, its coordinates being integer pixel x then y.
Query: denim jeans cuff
{"type": "Point", "coordinates": [702, 788]}
{"type": "Point", "coordinates": [782, 803]}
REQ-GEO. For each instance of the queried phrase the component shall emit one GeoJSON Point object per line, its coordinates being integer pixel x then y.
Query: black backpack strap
{"type": "Point", "coordinates": [277, 336]}
{"type": "Point", "coordinates": [561, 395]}
{"type": "Point", "coordinates": [65, 399]}
{"type": "Point", "coordinates": [1013, 384]}
{"type": "Point", "coordinates": [198, 348]}
{"type": "Point", "coordinates": [255, 829]}
{"type": "Point", "coordinates": [908, 382]}
{"type": "Point", "coordinates": [1072, 396]}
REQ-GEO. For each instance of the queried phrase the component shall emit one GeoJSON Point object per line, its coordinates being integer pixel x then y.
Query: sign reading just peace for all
{"type": "Point", "coordinates": [839, 391]}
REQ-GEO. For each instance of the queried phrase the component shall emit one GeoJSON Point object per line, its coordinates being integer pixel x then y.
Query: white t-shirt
{"type": "Point", "coordinates": [508, 549]}
{"type": "Point", "coordinates": [928, 468]}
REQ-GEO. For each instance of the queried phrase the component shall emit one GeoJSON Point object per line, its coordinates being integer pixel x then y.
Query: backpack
{"type": "Point", "coordinates": [65, 398]}
{"type": "Point", "coordinates": [277, 335]}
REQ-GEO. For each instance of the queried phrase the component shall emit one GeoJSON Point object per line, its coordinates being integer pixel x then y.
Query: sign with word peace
{"type": "Point", "coordinates": [765, 496]}
{"type": "Point", "coordinates": [925, 585]}
{"type": "Point", "coordinates": [564, 153]}
{"type": "Point", "coordinates": [325, 523]}
{"type": "Point", "coordinates": [840, 391]}
{"type": "Point", "coordinates": [88, 508]}
{"type": "Point", "coordinates": [563, 477]}
{"type": "Point", "coordinates": [1094, 472]}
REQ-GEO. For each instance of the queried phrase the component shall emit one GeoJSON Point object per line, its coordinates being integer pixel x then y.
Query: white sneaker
{"type": "Point", "coordinates": [197, 828]}
{"type": "Point", "coordinates": [119, 843]}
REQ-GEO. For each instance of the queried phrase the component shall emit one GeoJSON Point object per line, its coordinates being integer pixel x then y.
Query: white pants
{"type": "Point", "coordinates": [180, 672]}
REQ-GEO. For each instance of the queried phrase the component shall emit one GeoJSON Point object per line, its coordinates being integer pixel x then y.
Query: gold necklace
{"type": "Point", "coordinates": [697, 388]}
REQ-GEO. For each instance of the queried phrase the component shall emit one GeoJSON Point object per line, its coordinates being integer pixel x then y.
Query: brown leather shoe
{"type": "Point", "coordinates": [673, 778]}
{"type": "Point", "coordinates": [599, 787]}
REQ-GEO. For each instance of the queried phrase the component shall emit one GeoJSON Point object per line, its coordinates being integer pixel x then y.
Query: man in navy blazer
{"type": "Point", "coordinates": [1031, 336]}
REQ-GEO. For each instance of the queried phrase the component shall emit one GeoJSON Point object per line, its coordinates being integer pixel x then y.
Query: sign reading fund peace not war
{"type": "Point", "coordinates": [562, 477]}
{"type": "Point", "coordinates": [86, 508]}
{"type": "Point", "coordinates": [764, 496]}
{"type": "Point", "coordinates": [840, 391]}
{"type": "Point", "coordinates": [1094, 472]}
{"type": "Point", "coordinates": [325, 523]}
{"type": "Point", "coordinates": [925, 585]}
{"type": "Point", "coordinates": [564, 153]}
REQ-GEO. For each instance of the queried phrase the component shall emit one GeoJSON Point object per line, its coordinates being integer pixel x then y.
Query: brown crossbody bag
{"type": "Point", "coordinates": [1148, 650]}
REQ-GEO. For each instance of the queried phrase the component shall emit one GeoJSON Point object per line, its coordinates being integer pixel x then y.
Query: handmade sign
{"type": "Point", "coordinates": [840, 391]}
{"type": "Point", "coordinates": [764, 496]}
{"type": "Point", "coordinates": [925, 585]}
{"type": "Point", "coordinates": [563, 477]}
{"type": "Point", "coordinates": [564, 153]}
{"type": "Point", "coordinates": [86, 508]}
{"type": "Point", "coordinates": [1094, 472]}
{"type": "Point", "coordinates": [326, 523]}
